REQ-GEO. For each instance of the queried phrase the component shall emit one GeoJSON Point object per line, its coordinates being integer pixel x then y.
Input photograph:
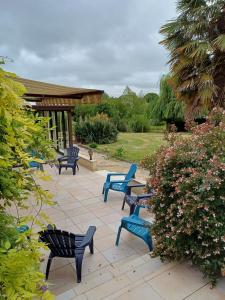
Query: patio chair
{"type": "Point", "coordinates": [133, 200]}
{"type": "Point", "coordinates": [137, 226]}
{"type": "Point", "coordinates": [70, 160]}
{"type": "Point", "coordinates": [35, 164]}
{"type": "Point", "coordinates": [68, 245]}
{"type": "Point", "coordinates": [118, 185]}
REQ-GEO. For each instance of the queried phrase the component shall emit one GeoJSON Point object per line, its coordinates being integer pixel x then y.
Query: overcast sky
{"type": "Point", "coordinates": [105, 44]}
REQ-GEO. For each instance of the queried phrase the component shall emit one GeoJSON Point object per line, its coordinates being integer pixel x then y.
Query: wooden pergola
{"type": "Point", "coordinates": [58, 102]}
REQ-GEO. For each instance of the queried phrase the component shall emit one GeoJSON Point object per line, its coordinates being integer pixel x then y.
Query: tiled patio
{"type": "Point", "coordinates": [124, 272]}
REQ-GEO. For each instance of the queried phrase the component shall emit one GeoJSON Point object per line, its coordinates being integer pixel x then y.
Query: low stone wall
{"type": "Point", "coordinates": [87, 163]}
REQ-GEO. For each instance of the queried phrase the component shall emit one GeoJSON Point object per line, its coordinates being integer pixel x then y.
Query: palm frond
{"type": "Point", "coordinates": [219, 42]}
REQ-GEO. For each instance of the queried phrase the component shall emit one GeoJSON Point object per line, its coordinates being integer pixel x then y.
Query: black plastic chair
{"type": "Point", "coordinates": [133, 200]}
{"type": "Point", "coordinates": [70, 160]}
{"type": "Point", "coordinates": [65, 244]}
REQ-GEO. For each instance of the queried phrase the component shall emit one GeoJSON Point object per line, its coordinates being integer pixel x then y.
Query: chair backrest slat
{"type": "Point", "coordinates": [131, 172]}
{"type": "Point", "coordinates": [61, 243]}
{"type": "Point", "coordinates": [72, 153]}
{"type": "Point", "coordinates": [53, 243]}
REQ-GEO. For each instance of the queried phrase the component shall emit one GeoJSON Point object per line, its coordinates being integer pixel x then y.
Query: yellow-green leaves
{"type": "Point", "coordinates": [21, 133]}
{"type": "Point", "coordinates": [219, 42]}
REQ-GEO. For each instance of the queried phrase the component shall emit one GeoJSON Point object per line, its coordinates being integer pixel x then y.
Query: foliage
{"type": "Point", "coordinates": [189, 178]}
{"type": "Point", "coordinates": [119, 152]}
{"type": "Point", "coordinates": [93, 145]}
{"type": "Point", "coordinates": [167, 107]}
{"type": "Point", "coordinates": [196, 42]}
{"type": "Point", "coordinates": [8, 232]}
{"type": "Point", "coordinates": [119, 110]}
{"type": "Point", "coordinates": [20, 131]}
{"type": "Point", "coordinates": [139, 124]}
{"type": "Point", "coordinates": [151, 97]}
{"type": "Point", "coordinates": [98, 131]}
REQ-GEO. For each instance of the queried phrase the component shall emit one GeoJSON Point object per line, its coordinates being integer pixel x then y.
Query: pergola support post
{"type": "Point", "coordinates": [70, 128]}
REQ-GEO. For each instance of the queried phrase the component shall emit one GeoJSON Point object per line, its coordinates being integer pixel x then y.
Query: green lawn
{"type": "Point", "coordinates": [135, 145]}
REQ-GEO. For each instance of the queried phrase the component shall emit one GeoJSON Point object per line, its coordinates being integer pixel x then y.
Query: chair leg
{"type": "Point", "coordinates": [50, 258]}
{"type": "Point", "coordinates": [106, 195]}
{"type": "Point", "coordinates": [118, 235]}
{"type": "Point", "coordinates": [66, 168]}
{"type": "Point", "coordinates": [91, 247]}
{"type": "Point", "coordinates": [149, 243]}
{"type": "Point", "coordinates": [103, 189]}
{"type": "Point", "coordinates": [78, 261]}
{"type": "Point", "coordinates": [78, 167]}
{"type": "Point", "coordinates": [74, 170]}
{"type": "Point", "coordinates": [59, 170]}
{"type": "Point", "coordinates": [123, 203]}
{"type": "Point", "coordinates": [132, 208]}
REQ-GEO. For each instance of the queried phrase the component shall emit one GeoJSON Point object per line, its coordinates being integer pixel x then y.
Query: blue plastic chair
{"type": "Point", "coordinates": [35, 164]}
{"type": "Point", "coordinates": [118, 185]}
{"type": "Point", "coordinates": [137, 226]}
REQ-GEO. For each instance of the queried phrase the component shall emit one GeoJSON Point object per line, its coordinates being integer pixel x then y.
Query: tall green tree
{"type": "Point", "coordinates": [151, 97]}
{"type": "Point", "coordinates": [128, 91]}
{"type": "Point", "coordinates": [167, 107]}
{"type": "Point", "coordinates": [196, 42]}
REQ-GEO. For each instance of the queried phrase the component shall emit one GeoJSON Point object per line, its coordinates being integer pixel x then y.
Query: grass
{"type": "Point", "coordinates": [135, 145]}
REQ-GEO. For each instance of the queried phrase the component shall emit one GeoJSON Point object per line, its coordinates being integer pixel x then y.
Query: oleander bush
{"type": "Point", "coordinates": [189, 178]}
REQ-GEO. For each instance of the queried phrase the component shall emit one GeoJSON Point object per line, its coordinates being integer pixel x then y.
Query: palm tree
{"type": "Point", "coordinates": [196, 42]}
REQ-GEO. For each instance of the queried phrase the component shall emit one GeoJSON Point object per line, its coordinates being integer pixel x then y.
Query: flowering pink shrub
{"type": "Point", "coordinates": [189, 206]}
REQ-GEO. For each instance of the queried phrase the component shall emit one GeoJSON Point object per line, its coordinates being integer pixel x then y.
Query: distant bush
{"type": "Point", "coordinates": [121, 124]}
{"type": "Point", "coordinates": [93, 145]}
{"type": "Point", "coordinates": [139, 124]}
{"type": "Point", "coordinates": [100, 117]}
{"type": "Point", "coordinates": [120, 110]}
{"type": "Point", "coordinates": [96, 131]}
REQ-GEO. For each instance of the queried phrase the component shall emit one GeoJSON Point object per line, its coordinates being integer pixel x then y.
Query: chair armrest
{"type": "Point", "coordinates": [146, 224]}
{"type": "Point", "coordinates": [88, 236]}
{"type": "Point", "coordinates": [136, 185]}
{"type": "Point", "coordinates": [63, 158]}
{"type": "Point", "coordinates": [109, 175]}
{"type": "Point", "coordinates": [119, 181]}
{"type": "Point", "coordinates": [143, 196]}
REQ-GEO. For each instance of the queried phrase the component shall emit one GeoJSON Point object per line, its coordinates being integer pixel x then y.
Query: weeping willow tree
{"type": "Point", "coordinates": [196, 42]}
{"type": "Point", "coordinates": [167, 107]}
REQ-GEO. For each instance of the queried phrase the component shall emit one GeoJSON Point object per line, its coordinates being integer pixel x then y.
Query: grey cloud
{"type": "Point", "coordinates": [103, 44]}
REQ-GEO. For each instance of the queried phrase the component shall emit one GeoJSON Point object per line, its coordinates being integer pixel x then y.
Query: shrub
{"type": "Point", "coordinates": [119, 152]}
{"type": "Point", "coordinates": [100, 117]}
{"type": "Point", "coordinates": [139, 123]}
{"type": "Point", "coordinates": [189, 178]}
{"type": "Point", "coordinates": [121, 124]}
{"type": "Point", "coordinates": [93, 145]}
{"type": "Point", "coordinates": [20, 131]}
{"type": "Point", "coordinates": [96, 131]}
